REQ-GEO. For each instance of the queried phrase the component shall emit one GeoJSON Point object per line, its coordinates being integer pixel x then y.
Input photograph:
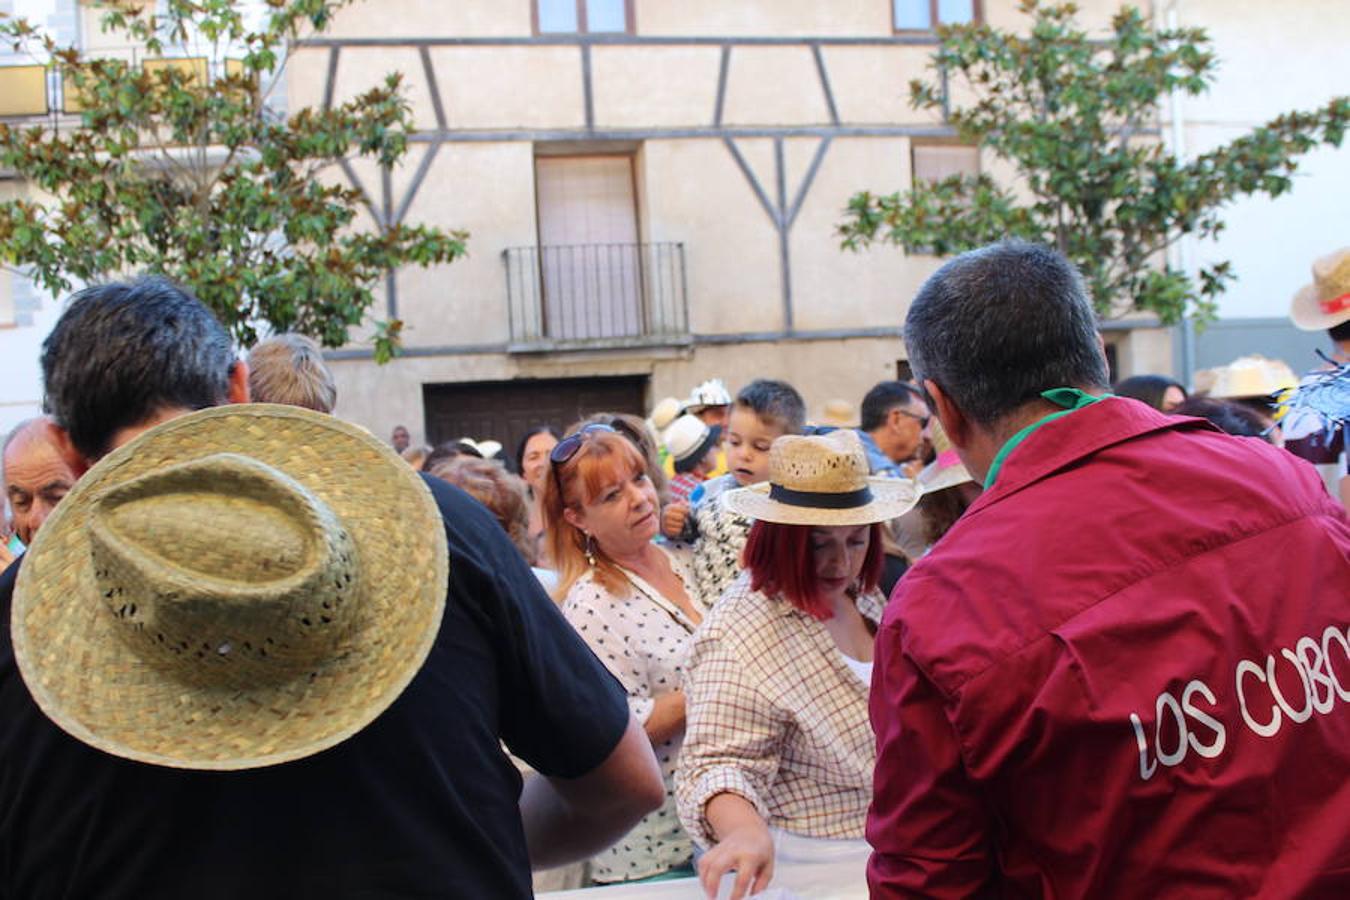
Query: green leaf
{"type": "Point", "coordinates": [1071, 116]}
{"type": "Point", "coordinates": [142, 185]}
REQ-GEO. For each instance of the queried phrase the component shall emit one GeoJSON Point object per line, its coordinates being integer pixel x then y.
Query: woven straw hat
{"type": "Point", "coordinates": [822, 480]}
{"type": "Point", "coordinates": [1326, 302]}
{"type": "Point", "coordinates": [945, 471]}
{"type": "Point", "coordinates": [227, 592]}
{"type": "Point", "coordinates": [839, 414]}
{"type": "Point", "coordinates": [1246, 376]}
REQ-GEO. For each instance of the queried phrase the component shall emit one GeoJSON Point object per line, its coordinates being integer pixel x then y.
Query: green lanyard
{"type": "Point", "coordinates": [1072, 399]}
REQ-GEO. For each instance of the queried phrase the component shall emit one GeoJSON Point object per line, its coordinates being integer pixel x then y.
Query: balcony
{"type": "Point", "coordinates": [596, 297]}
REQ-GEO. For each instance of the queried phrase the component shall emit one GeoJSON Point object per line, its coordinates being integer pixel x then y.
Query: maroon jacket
{"type": "Point", "coordinates": [1125, 672]}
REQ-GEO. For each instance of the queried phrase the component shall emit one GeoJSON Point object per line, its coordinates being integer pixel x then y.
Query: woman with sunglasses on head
{"type": "Point", "coordinates": [631, 600]}
{"type": "Point", "coordinates": [776, 770]}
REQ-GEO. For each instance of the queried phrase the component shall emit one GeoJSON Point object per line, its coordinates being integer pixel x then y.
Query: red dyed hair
{"type": "Point", "coordinates": [602, 457]}
{"type": "Point", "coordinates": [781, 563]}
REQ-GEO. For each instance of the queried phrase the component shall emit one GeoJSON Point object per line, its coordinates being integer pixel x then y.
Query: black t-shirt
{"type": "Point", "coordinates": [421, 803]}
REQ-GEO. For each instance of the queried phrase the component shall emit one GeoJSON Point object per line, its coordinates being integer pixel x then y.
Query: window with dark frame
{"type": "Point", "coordinates": [925, 15]}
{"type": "Point", "coordinates": [583, 16]}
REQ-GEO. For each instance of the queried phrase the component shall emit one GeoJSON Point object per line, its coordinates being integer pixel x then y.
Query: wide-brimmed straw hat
{"type": "Point", "coordinates": [238, 587]}
{"type": "Point", "coordinates": [1326, 302]}
{"type": "Point", "coordinates": [822, 480]}
{"type": "Point", "coordinates": [839, 414]}
{"type": "Point", "coordinates": [946, 470]}
{"type": "Point", "coordinates": [1246, 376]}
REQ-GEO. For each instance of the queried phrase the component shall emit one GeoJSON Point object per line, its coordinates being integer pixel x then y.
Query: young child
{"type": "Point", "coordinates": [763, 410]}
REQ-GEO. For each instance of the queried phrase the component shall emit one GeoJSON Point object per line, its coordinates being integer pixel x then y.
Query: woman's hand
{"type": "Point", "coordinates": [743, 844]}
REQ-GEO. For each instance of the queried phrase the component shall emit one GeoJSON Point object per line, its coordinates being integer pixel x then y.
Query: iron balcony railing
{"type": "Point", "coordinates": [596, 295]}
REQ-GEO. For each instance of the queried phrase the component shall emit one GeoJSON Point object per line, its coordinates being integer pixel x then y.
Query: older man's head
{"type": "Point", "coordinates": [36, 475]}
{"type": "Point", "coordinates": [994, 328]}
{"type": "Point", "coordinates": [894, 414]}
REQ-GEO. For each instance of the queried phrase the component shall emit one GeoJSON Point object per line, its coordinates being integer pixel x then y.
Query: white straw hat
{"type": "Point", "coordinates": [822, 480]}
{"type": "Point", "coordinates": [688, 440]}
{"type": "Point", "coordinates": [236, 588]}
{"type": "Point", "coordinates": [710, 393]}
{"type": "Point", "coordinates": [1326, 302]}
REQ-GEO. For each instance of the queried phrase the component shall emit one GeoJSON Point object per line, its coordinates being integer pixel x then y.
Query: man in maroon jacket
{"type": "Point", "coordinates": [1125, 672]}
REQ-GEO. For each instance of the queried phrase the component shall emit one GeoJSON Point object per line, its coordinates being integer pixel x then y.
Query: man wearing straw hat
{"type": "Point", "coordinates": [252, 654]}
{"type": "Point", "coordinates": [1125, 670]}
{"type": "Point", "coordinates": [1324, 304]}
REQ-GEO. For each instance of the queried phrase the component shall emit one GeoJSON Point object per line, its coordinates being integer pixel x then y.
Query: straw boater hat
{"type": "Point", "coordinates": [947, 470]}
{"type": "Point", "coordinates": [822, 480]}
{"type": "Point", "coordinates": [227, 592]}
{"type": "Point", "coordinates": [688, 440]}
{"type": "Point", "coordinates": [1246, 376]}
{"type": "Point", "coordinates": [839, 414]}
{"type": "Point", "coordinates": [1326, 302]}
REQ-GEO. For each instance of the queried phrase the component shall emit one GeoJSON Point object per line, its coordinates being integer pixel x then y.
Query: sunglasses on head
{"type": "Point", "coordinates": [567, 448]}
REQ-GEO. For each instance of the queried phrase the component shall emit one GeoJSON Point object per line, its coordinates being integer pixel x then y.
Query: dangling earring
{"type": "Point", "coordinates": [590, 550]}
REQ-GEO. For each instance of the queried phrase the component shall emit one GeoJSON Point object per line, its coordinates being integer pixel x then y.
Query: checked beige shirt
{"type": "Point", "coordinates": [775, 714]}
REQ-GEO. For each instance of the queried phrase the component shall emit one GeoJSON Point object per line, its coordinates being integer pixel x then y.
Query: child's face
{"type": "Point", "coordinates": [748, 441]}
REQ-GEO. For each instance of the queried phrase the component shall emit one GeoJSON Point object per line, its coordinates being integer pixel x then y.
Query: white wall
{"type": "Point", "coordinates": [1274, 58]}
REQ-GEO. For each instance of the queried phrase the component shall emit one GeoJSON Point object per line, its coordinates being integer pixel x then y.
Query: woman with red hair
{"type": "Point", "coordinates": [778, 751]}
{"type": "Point", "coordinates": [632, 602]}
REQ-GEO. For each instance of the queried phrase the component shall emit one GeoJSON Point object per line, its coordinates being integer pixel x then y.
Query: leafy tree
{"type": "Point", "coordinates": [202, 180]}
{"type": "Point", "coordinates": [1077, 119]}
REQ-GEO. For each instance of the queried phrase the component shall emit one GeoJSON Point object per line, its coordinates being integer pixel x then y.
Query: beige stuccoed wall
{"type": "Point", "coordinates": [661, 87]}
{"type": "Point", "coordinates": [690, 190]}
{"type": "Point", "coordinates": [697, 195]}
{"type": "Point", "coordinates": [779, 18]}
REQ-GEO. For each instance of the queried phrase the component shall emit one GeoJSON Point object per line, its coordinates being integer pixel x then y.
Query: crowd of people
{"type": "Point", "coordinates": [979, 637]}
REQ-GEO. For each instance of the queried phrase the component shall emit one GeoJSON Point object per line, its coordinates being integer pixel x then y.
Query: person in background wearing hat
{"type": "Point", "coordinates": [946, 490]}
{"type": "Point", "coordinates": [893, 419]}
{"type": "Point", "coordinates": [289, 369]}
{"type": "Point", "coordinates": [692, 446]}
{"type": "Point", "coordinates": [778, 751]}
{"type": "Point", "coordinates": [1324, 305]}
{"type": "Point", "coordinates": [631, 601]}
{"type": "Point", "coordinates": [711, 402]}
{"type": "Point", "coordinates": [1117, 674]}
{"type": "Point", "coordinates": [394, 782]}
{"type": "Point", "coordinates": [663, 414]}
{"type": "Point", "coordinates": [764, 411]}
{"type": "Point", "coordinates": [1252, 381]}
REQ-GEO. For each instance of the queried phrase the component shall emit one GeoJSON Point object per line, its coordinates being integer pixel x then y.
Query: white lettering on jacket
{"type": "Point", "coordinates": [1262, 704]}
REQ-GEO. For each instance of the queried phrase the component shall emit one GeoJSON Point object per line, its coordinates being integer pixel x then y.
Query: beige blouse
{"type": "Point", "coordinates": [776, 715]}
